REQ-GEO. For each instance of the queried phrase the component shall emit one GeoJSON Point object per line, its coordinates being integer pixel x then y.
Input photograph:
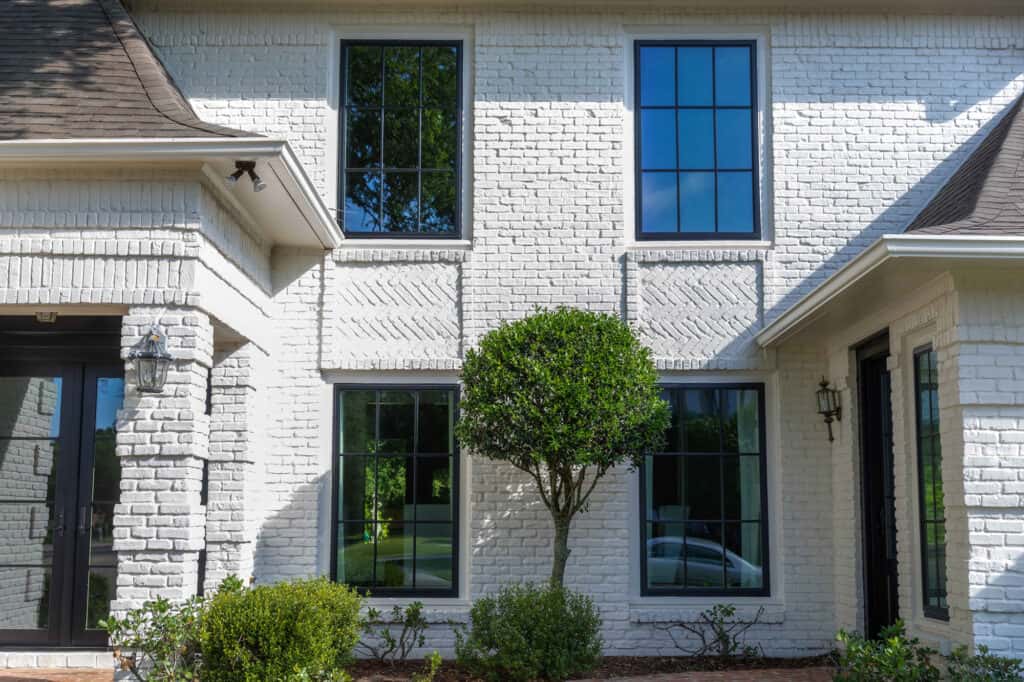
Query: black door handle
{"type": "Point", "coordinates": [83, 524]}
{"type": "Point", "coordinates": [58, 527]}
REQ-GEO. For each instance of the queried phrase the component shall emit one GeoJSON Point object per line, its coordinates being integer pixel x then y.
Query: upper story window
{"type": "Point", "coordinates": [401, 138]}
{"type": "Point", "coordinates": [696, 140]}
{"type": "Point", "coordinates": [703, 499]}
{"type": "Point", "coordinates": [932, 506]}
{"type": "Point", "coordinates": [396, 490]}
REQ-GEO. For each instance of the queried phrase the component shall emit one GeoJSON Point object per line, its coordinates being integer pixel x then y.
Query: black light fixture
{"type": "Point", "coordinates": [151, 360]}
{"type": "Point", "coordinates": [828, 405]}
{"type": "Point", "coordinates": [247, 168]}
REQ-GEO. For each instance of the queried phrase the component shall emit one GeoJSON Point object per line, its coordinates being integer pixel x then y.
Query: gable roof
{"type": "Point", "coordinates": [985, 196]}
{"type": "Point", "coordinates": [81, 69]}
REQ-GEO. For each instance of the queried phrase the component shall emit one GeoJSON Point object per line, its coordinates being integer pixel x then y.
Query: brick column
{"type": "Point", "coordinates": [236, 442]}
{"type": "Point", "coordinates": [162, 441]}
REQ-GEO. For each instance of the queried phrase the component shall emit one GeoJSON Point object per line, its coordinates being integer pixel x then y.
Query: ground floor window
{"type": "Point", "coordinates": [703, 500]}
{"type": "Point", "coordinates": [395, 492]}
{"type": "Point", "coordinates": [932, 508]}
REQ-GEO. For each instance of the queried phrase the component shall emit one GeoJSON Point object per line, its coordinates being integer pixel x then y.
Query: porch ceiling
{"type": "Point", "coordinates": [891, 268]}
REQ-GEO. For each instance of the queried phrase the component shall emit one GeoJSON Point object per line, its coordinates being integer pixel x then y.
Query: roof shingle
{"type": "Point", "coordinates": [74, 69]}
{"type": "Point", "coordinates": [985, 196]}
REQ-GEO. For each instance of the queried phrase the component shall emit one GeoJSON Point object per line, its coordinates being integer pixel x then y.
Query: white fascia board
{"type": "Point", "coordinates": [959, 247]}
{"type": "Point", "coordinates": [277, 153]}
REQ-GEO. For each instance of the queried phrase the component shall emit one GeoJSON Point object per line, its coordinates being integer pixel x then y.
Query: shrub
{"type": "Point", "coordinates": [716, 632]}
{"type": "Point", "coordinates": [983, 667]}
{"type": "Point", "coordinates": [291, 631]}
{"type": "Point", "coordinates": [158, 642]}
{"type": "Point", "coordinates": [379, 640]}
{"type": "Point", "coordinates": [890, 658]}
{"type": "Point", "coordinates": [528, 632]}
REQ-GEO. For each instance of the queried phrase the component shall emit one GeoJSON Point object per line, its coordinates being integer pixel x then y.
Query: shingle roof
{"type": "Point", "coordinates": [985, 196]}
{"type": "Point", "coordinates": [73, 69]}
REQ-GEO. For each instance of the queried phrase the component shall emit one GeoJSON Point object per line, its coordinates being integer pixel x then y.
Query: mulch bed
{"type": "Point", "coordinates": [611, 667]}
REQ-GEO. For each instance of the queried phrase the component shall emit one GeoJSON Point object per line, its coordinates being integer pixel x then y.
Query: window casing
{"type": "Point", "coordinates": [396, 483]}
{"type": "Point", "coordinates": [931, 504]}
{"type": "Point", "coordinates": [401, 139]}
{"type": "Point", "coordinates": [696, 140]}
{"type": "Point", "coordinates": [703, 501]}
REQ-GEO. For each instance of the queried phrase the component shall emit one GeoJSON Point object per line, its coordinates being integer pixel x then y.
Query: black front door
{"type": "Point", "coordinates": [879, 511]}
{"type": "Point", "coordinates": [59, 481]}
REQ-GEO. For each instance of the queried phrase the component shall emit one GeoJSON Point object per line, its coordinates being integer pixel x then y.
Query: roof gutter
{"type": "Point", "coordinates": [889, 247]}
{"type": "Point", "coordinates": [278, 153]}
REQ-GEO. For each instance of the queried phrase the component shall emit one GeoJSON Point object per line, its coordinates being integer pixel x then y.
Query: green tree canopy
{"type": "Point", "coordinates": [564, 395]}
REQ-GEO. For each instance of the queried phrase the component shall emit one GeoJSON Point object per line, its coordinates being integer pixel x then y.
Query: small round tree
{"type": "Point", "coordinates": [564, 395]}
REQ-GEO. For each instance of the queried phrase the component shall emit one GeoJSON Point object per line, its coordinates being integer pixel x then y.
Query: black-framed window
{"type": "Point", "coordinates": [401, 138]}
{"type": "Point", "coordinates": [704, 499]}
{"type": "Point", "coordinates": [932, 508]}
{"type": "Point", "coordinates": [696, 140]}
{"type": "Point", "coordinates": [396, 489]}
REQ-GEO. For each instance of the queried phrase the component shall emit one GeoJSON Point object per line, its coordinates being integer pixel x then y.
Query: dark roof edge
{"type": "Point", "coordinates": [160, 88]}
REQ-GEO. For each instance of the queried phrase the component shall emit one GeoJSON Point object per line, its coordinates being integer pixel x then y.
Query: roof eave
{"type": "Point", "coordinates": [287, 168]}
{"type": "Point", "coordinates": [953, 247]}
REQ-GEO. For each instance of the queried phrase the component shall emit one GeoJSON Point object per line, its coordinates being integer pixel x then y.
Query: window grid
{"type": "Point", "coordinates": [714, 108]}
{"type": "Point", "coordinates": [380, 170]}
{"type": "Point", "coordinates": [929, 472]}
{"type": "Point", "coordinates": [341, 522]}
{"type": "Point", "coordinates": [647, 524]}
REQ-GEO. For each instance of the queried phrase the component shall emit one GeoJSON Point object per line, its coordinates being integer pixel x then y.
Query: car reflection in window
{"type": "Point", "coordinates": [702, 565]}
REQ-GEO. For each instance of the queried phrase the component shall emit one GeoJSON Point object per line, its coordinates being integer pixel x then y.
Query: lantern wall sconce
{"type": "Point", "coordinates": [828, 405]}
{"type": "Point", "coordinates": [151, 360]}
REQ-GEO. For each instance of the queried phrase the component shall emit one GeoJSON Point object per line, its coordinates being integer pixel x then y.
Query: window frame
{"type": "Point", "coordinates": [930, 611]}
{"type": "Point", "coordinates": [336, 454]}
{"type": "Point", "coordinates": [680, 236]}
{"type": "Point", "coordinates": [765, 589]}
{"type": "Point", "coordinates": [344, 45]}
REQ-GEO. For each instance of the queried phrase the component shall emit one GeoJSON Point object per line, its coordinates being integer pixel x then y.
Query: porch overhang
{"type": "Point", "coordinates": [289, 212]}
{"type": "Point", "coordinates": [893, 266]}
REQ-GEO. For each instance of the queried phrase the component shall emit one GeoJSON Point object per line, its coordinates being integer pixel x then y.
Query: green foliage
{"type": "Point", "coordinates": [297, 631]}
{"type": "Point", "coordinates": [431, 666]}
{"type": "Point", "coordinates": [379, 640]}
{"type": "Point", "coordinates": [890, 658]}
{"type": "Point", "coordinates": [529, 632]}
{"type": "Point", "coordinates": [563, 395]}
{"type": "Point", "coordinates": [716, 632]}
{"type": "Point", "coordinates": [158, 642]}
{"type": "Point", "coordinates": [983, 667]}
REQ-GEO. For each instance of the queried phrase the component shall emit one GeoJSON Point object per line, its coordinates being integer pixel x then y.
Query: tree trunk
{"type": "Point", "coordinates": [561, 554]}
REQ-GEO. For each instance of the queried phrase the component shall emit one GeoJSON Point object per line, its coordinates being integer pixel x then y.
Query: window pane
{"type": "Point", "coordinates": [102, 582]}
{"type": "Point", "coordinates": [436, 419]}
{"type": "Point", "coordinates": [401, 205]}
{"type": "Point", "coordinates": [735, 202]}
{"type": "Point", "coordinates": [355, 554]}
{"type": "Point", "coordinates": [26, 594]}
{"type": "Point", "coordinates": [433, 489]}
{"type": "Point", "coordinates": [437, 212]}
{"type": "Point", "coordinates": [362, 202]}
{"type": "Point", "coordinates": [657, 76]}
{"type": "Point", "coordinates": [742, 483]}
{"type": "Point", "coordinates": [439, 139]}
{"type": "Point", "coordinates": [732, 76]}
{"type": "Point", "coordinates": [401, 76]}
{"type": "Point", "coordinates": [695, 76]}
{"type": "Point", "coordinates": [401, 138]}
{"type": "Point", "coordinates": [741, 421]}
{"type": "Point", "coordinates": [394, 490]}
{"type": "Point", "coordinates": [744, 562]}
{"type": "Point", "coordinates": [705, 559]}
{"type": "Point", "coordinates": [665, 563]}
{"type": "Point", "coordinates": [440, 77]}
{"type": "Point", "coordinates": [664, 476]}
{"type": "Point", "coordinates": [362, 131]}
{"type": "Point", "coordinates": [30, 407]}
{"type": "Point", "coordinates": [434, 555]}
{"type": "Point", "coordinates": [394, 555]}
{"type": "Point", "coordinates": [364, 84]}
{"type": "Point", "coordinates": [697, 202]}
{"type": "Point", "coordinates": [396, 421]}
{"type": "Point", "coordinates": [703, 483]}
{"type": "Point", "coordinates": [658, 139]}
{"type": "Point", "coordinates": [701, 422]}
{"type": "Point", "coordinates": [696, 139]}
{"type": "Point", "coordinates": [658, 202]}
{"type": "Point", "coordinates": [357, 480]}
{"type": "Point", "coordinates": [674, 435]}
{"type": "Point", "coordinates": [358, 412]}
{"type": "Point", "coordinates": [732, 136]}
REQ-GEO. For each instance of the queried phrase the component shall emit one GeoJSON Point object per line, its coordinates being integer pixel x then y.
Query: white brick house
{"type": "Point", "coordinates": [770, 192]}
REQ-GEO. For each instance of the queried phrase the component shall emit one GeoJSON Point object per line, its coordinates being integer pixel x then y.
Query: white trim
{"type": "Point", "coordinates": [952, 247]}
